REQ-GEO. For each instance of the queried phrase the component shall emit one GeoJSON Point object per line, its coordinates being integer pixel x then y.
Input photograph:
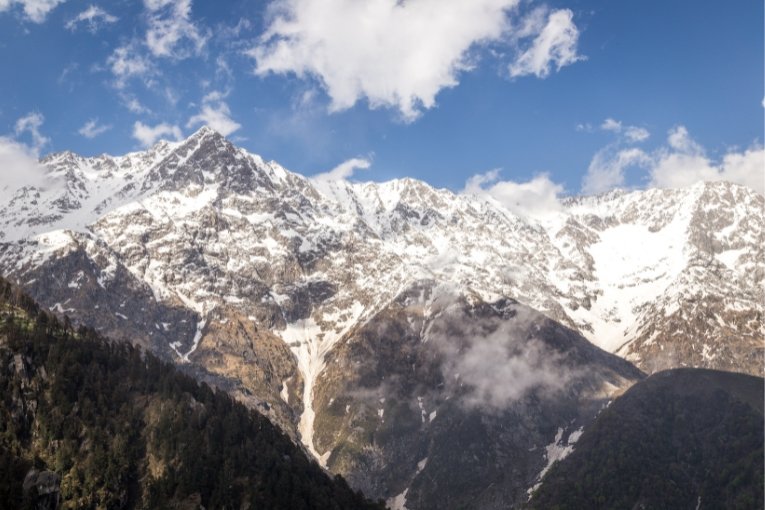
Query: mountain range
{"type": "Point", "coordinates": [430, 346]}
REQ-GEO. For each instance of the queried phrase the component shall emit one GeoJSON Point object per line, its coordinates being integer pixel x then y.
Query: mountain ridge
{"type": "Point", "coordinates": [258, 280]}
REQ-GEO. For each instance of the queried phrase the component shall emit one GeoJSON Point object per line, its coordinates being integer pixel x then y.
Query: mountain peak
{"type": "Point", "coordinates": [206, 132]}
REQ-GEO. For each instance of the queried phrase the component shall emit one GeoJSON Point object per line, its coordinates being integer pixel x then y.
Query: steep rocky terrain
{"type": "Point", "coordinates": [453, 402]}
{"type": "Point", "coordinates": [683, 438]}
{"type": "Point", "coordinates": [278, 288]}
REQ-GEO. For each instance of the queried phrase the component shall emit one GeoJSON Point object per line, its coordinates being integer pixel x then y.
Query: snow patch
{"type": "Point", "coordinates": [195, 341]}
{"type": "Point", "coordinates": [555, 451]}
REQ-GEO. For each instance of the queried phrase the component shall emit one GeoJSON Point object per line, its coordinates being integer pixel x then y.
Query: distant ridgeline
{"type": "Point", "coordinates": [85, 423]}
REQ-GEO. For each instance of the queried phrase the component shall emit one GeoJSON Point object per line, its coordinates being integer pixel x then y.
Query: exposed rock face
{"type": "Point", "coordinates": [450, 402]}
{"type": "Point", "coordinates": [270, 285]}
{"type": "Point", "coordinates": [43, 489]}
{"type": "Point", "coordinates": [679, 274]}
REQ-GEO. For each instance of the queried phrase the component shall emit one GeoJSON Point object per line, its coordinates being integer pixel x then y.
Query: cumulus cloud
{"type": "Point", "coordinates": [92, 129]}
{"type": "Point", "coordinates": [554, 45]}
{"type": "Point", "coordinates": [394, 54]}
{"type": "Point", "coordinates": [533, 198]}
{"type": "Point", "coordinates": [148, 135]}
{"type": "Point", "coordinates": [35, 10]}
{"type": "Point", "coordinates": [171, 32]}
{"type": "Point", "coordinates": [684, 162]}
{"type": "Point", "coordinates": [402, 54]}
{"type": "Point", "coordinates": [681, 162]}
{"type": "Point", "coordinates": [93, 18]}
{"type": "Point", "coordinates": [216, 114]}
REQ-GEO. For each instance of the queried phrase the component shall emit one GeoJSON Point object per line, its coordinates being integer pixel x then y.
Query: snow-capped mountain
{"type": "Point", "coordinates": [263, 281]}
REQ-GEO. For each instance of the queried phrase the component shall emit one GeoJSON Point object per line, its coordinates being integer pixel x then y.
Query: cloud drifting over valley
{"type": "Point", "coordinates": [494, 362]}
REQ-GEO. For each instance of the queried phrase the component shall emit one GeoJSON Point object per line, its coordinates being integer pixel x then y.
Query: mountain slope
{"type": "Point", "coordinates": [266, 284]}
{"type": "Point", "coordinates": [201, 225]}
{"type": "Point", "coordinates": [455, 404]}
{"type": "Point", "coordinates": [92, 423]}
{"type": "Point", "coordinates": [684, 438]}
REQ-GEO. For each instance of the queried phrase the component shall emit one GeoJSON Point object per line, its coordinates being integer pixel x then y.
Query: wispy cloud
{"type": "Point", "coordinates": [93, 18]}
{"type": "Point", "coordinates": [34, 10]}
{"type": "Point", "coordinates": [171, 31]}
{"type": "Point", "coordinates": [492, 363]}
{"type": "Point", "coordinates": [529, 199]}
{"type": "Point", "coordinates": [148, 135]}
{"type": "Point", "coordinates": [554, 43]}
{"type": "Point", "coordinates": [609, 167]}
{"type": "Point", "coordinates": [127, 62]}
{"type": "Point", "coordinates": [630, 133]}
{"type": "Point", "coordinates": [344, 170]}
{"type": "Point", "coordinates": [92, 129]}
{"type": "Point", "coordinates": [31, 123]}
{"type": "Point", "coordinates": [216, 114]}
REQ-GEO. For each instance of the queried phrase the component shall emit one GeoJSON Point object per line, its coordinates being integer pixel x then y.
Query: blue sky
{"type": "Point", "coordinates": [561, 97]}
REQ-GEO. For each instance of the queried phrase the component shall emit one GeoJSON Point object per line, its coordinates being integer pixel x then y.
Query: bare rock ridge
{"type": "Point", "coordinates": [312, 300]}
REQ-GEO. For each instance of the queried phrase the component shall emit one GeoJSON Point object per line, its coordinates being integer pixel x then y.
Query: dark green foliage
{"type": "Point", "coordinates": [125, 430]}
{"type": "Point", "coordinates": [679, 439]}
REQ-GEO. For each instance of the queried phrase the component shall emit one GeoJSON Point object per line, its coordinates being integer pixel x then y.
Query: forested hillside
{"type": "Point", "coordinates": [86, 423]}
{"type": "Point", "coordinates": [684, 438]}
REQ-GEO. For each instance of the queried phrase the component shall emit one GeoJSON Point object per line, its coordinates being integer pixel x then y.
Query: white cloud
{"type": "Point", "coordinates": [34, 10]}
{"type": "Point", "coordinates": [343, 171]}
{"type": "Point", "coordinates": [31, 123]}
{"type": "Point", "coordinates": [216, 114]}
{"type": "Point", "coordinates": [534, 198]}
{"type": "Point", "coordinates": [492, 363]}
{"type": "Point", "coordinates": [684, 162]}
{"type": "Point", "coordinates": [171, 32]}
{"type": "Point", "coordinates": [92, 129]}
{"type": "Point", "coordinates": [18, 167]}
{"type": "Point", "coordinates": [679, 139]}
{"type": "Point", "coordinates": [133, 104]}
{"type": "Point", "coordinates": [680, 163]}
{"type": "Point", "coordinates": [93, 18]}
{"type": "Point", "coordinates": [394, 54]}
{"type": "Point", "coordinates": [148, 135]}
{"type": "Point", "coordinates": [127, 62]}
{"type": "Point", "coordinates": [555, 44]}
{"type": "Point", "coordinates": [612, 125]}
{"type": "Point", "coordinates": [636, 134]}
{"type": "Point", "coordinates": [608, 168]}
{"type": "Point", "coordinates": [632, 134]}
